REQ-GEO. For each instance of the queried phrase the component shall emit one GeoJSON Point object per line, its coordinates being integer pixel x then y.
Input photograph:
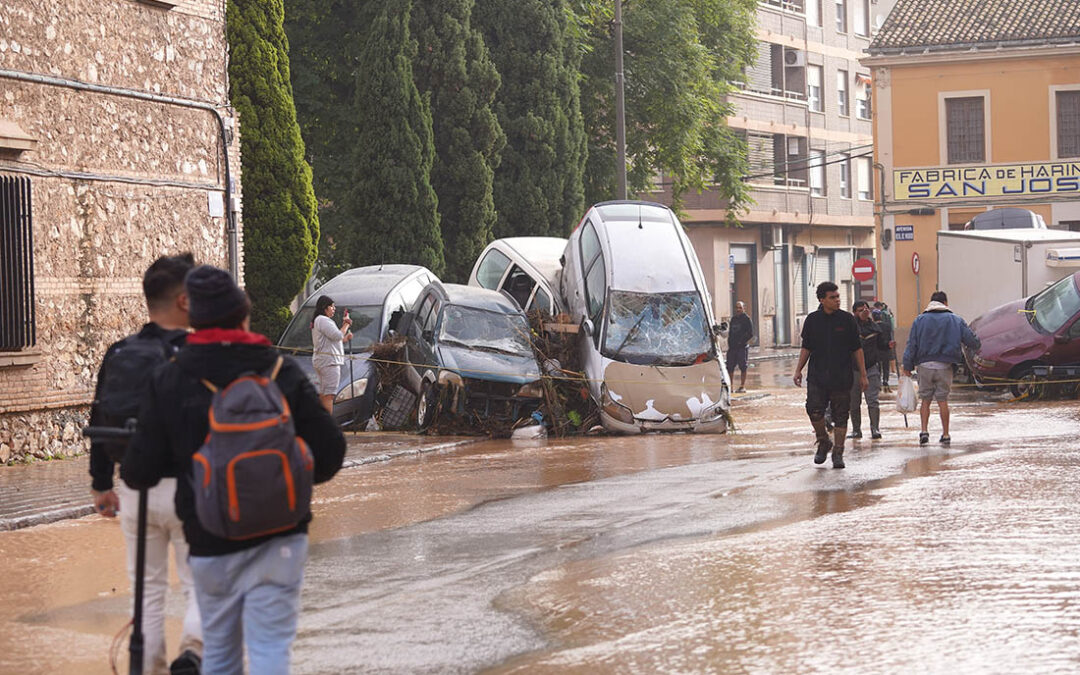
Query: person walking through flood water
{"type": "Point", "coordinates": [934, 346]}
{"type": "Point", "coordinates": [830, 341]}
{"type": "Point", "coordinates": [875, 345]}
{"type": "Point", "coordinates": [740, 333]}
{"type": "Point", "coordinates": [328, 345]}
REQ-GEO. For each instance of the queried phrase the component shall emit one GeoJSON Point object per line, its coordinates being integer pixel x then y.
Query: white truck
{"type": "Point", "coordinates": [982, 269]}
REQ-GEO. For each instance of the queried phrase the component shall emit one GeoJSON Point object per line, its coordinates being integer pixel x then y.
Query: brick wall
{"type": "Point", "coordinates": [116, 183]}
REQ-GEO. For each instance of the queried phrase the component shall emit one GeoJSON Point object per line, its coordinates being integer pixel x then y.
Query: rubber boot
{"type": "Point", "coordinates": [838, 457]}
{"type": "Point", "coordinates": [856, 422]}
{"type": "Point", "coordinates": [824, 443]}
{"type": "Point", "coordinates": [875, 419]}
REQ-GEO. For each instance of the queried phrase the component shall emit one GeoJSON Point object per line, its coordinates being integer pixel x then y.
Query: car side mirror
{"type": "Point", "coordinates": [587, 327]}
{"type": "Point", "coordinates": [1061, 339]}
{"type": "Point", "coordinates": [428, 335]}
{"type": "Point", "coordinates": [395, 320]}
{"type": "Point", "coordinates": [720, 329]}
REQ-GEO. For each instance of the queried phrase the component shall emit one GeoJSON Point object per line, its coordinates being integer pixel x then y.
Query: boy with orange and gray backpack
{"type": "Point", "coordinates": [244, 429]}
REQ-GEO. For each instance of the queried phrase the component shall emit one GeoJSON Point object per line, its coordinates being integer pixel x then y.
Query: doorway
{"type": "Point", "coordinates": [742, 280]}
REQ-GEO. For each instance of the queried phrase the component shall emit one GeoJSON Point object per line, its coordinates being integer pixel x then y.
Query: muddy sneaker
{"type": "Point", "coordinates": [944, 440]}
{"type": "Point", "coordinates": [823, 448]}
{"type": "Point", "coordinates": [187, 663]}
{"type": "Point", "coordinates": [876, 435]}
{"type": "Point", "coordinates": [740, 390]}
{"type": "Point", "coordinates": [924, 438]}
{"type": "Point", "coordinates": [838, 458]}
{"type": "Point", "coordinates": [855, 434]}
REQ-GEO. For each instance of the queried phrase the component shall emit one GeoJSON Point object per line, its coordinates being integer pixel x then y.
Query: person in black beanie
{"type": "Point", "coordinates": [249, 589]}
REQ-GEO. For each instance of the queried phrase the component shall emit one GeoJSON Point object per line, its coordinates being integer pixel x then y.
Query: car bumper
{"type": "Point", "coordinates": [716, 426]}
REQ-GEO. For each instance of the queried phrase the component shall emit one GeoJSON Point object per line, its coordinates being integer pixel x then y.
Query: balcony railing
{"type": "Point", "coordinates": [795, 6]}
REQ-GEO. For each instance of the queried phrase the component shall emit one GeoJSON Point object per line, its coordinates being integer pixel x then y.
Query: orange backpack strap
{"type": "Point", "coordinates": [277, 367]}
{"type": "Point", "coordinates": [209, 385]}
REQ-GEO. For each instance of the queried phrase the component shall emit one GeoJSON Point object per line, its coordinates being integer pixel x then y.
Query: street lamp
{"type": "Point", "coordinates": [620, 105]}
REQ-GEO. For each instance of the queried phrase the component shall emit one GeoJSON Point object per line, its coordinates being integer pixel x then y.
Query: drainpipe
{"type": "Point", "coordinates": [881, 225]}
{"type": "Point", "coordinates": [230, 215]}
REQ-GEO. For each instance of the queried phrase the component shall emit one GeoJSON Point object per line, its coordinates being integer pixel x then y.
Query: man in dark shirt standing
{"type": "Point", "coordinates": [830, 341]}
{"type": "Point", "coordinates": [875, 346]}
{"type": "Point", "coordinates": [740, 334]}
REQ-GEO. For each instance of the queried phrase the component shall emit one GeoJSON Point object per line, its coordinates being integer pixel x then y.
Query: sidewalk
{"type": "Point", "coordinates": [44, 492]}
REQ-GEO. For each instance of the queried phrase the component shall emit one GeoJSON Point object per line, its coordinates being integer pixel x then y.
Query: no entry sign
{"type": "Point", "coordinates": [863, 269]}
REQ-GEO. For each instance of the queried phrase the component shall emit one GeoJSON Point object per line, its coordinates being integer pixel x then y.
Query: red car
{"type": "Point", "coordinates": [1042, 330]}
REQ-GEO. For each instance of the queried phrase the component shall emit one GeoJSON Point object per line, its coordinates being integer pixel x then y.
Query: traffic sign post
{"type": "Point", "coordinates": [863, 269]}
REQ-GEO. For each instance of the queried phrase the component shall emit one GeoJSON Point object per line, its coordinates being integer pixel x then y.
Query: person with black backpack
{"type": "Point", "coordinates": [244, 429]}
{"type": "Point", "coordinates": [125, 372]}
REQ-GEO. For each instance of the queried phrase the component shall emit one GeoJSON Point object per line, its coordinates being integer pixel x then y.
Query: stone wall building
{"type": "Point", "coordinates": [805, 113]}
{"type": "Point", "coordinates": [113, 120]}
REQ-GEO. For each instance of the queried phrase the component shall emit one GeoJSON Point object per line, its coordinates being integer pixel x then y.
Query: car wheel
{"type": "Point", "coordinates": [1027, 385]}
{"type": "Point", "coordinates": [427, 405]}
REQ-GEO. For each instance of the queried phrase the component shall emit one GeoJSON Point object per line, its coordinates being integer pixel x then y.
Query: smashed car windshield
{"type": "Point", "coordinates": [481, 329]}
{"type": "Point", "coordinates": [647, 328]}
{"type": "Point", "coordinates": [366, 327]}
{"type": "Point", "coordinates": [1056, 305]}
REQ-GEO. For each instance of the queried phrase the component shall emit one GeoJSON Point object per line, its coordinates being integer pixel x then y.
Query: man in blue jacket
{"type": "Point", "coordinates": [934, 346]}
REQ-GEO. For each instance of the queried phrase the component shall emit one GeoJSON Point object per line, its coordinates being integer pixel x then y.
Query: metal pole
{"type": "Point", "coordinates": [620, 105]}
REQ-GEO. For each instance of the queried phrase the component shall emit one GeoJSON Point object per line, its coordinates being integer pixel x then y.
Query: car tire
{"type": "Point", "coordinates": [1027, 386]}
{"type": "Point", "coordinates": [427, 405]}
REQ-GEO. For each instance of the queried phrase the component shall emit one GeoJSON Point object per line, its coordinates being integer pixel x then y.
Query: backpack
{"type": "Point", "coordinates": [253, 475]}
{"type": "Point", "coordinates": [128, 367]}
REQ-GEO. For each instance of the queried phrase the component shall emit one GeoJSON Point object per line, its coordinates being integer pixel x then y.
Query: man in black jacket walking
{"type": "Point", "coordinates": [875, 345]}
{"type": "Point", "coordinates": [740, 333]}
{"type": "Point", "coordinates": [248, 590]}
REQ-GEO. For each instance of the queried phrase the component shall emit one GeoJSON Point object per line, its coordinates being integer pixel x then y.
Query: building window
{"type": "Point", "coordinates": [866, 179]}
{"type": "Point", "coordinates": [17, 315]}
{"type": "Point", "coordinates": [845, 176]}
{"type": "Point", "coordinates": [965, 129]}
{"type": "Point", "coordinates": [841, 92]}
{"type": "Point", "coordinates": [862, 18]}
{"type": "Point", "coordinates": [813, 88]}
{"type": "Point", "coordinates": [813, 12]}
{"type": "Point", "coordinates": [1068, 123]}
{"type": "Point", "coordinates": [841, 16]}
{"type": "Point", "coordinates": [862, 96]}
{"type": "Point", "coordinates": [817, 173]}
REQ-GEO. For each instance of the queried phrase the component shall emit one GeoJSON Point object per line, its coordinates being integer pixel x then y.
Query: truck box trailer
{"type": "Point", "coordinates": [982, 269]}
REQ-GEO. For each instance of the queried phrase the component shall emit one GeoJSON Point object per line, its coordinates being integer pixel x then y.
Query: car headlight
{"type": "Point", "coordinates": [357, 389]}
{"type": "Point", "coordinates": [984, 363]}
{"type": "Point", "coordinates": [531, 390]}
{"type": "Point", "coordinates": [613, 408]}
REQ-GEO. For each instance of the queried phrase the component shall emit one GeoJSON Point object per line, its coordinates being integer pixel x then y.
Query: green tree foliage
{"type": "Point", "coordinates": [281, 226]}
{"type": "Point", "coordinates": [538, 186]}
{"type": "Point", "coordinates": [679, 58]}
{"type": "Point", "coordinates": [453, 68]}
{"type": "Point", "coordinates": [369, 132]}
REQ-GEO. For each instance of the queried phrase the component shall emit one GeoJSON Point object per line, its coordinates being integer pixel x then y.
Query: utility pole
{"type": "Point", "coordinates": [620, 105]}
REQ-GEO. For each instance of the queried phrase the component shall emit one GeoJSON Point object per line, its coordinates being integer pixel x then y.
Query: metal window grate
{"type": "Point", "coordinates": [1068, 121]}
{"type": "Point", "coordinates": [965, 129]}
{"type": "Point", "coordinates": [17, 314]}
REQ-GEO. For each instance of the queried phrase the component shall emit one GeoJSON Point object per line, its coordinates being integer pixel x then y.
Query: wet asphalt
{"type": "Point", "coordinates": [660, 553]}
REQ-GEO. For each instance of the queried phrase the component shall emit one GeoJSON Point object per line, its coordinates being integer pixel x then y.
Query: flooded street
{"type": "Point", "coordinates": [659, 553]}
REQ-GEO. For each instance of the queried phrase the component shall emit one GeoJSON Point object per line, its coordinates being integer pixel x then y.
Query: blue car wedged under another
{"type": "Point", "coordinates": [470, 355]}
{"type": "Point", "coordinates": [371, 294]}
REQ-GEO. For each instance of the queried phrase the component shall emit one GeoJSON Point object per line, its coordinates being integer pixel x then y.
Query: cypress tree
{"type": "Point", "coordinates": [390, 205]}
{"type": "Point", "coordinates": [453, 68]}
{"type": "Point", "coordinates": [538, 185]}
{"type": "Point", "coordinates": [281, 227]}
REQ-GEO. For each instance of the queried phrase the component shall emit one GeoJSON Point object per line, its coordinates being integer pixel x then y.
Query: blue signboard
{"type": "Point", "coordinates": [905, 233]}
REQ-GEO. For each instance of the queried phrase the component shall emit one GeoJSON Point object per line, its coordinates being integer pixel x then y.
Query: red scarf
{"type": "Point", "coordinates": [228, 335]}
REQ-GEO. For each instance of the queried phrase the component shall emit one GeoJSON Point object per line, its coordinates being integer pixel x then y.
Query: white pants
{"type": "Point", "coordinates": [162, 528]}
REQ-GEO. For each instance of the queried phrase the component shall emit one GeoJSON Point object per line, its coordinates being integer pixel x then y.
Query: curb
{"type": "Point", "coordinates": [774, 357]}
{"type": "Point", "coordinates": [67, 513]}
{"type": "Point", "coordinates": [411, 452]}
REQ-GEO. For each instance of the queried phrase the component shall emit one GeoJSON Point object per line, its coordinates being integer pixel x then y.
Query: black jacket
{"type": "Point", "coordinates": [101, 465]}
{"type": "Point", "coordinates": [875, 343]}
{"type": "Point", "coordinates": [741, 332]}
{"type": "Point", "coordinates": [173, 424]}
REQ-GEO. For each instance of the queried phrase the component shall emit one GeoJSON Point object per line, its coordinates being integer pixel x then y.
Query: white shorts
{"type": "Point", "coordinates": [329, 378]}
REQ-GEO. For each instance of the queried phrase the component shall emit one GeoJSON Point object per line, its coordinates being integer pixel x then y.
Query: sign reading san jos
{"type": "Point", "coordinates": [1044, 178]}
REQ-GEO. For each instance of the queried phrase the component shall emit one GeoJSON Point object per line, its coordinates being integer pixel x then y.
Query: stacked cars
{"type": "Point", "coordinates": [627, 280]}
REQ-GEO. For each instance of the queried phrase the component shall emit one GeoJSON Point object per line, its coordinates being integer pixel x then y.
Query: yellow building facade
{"type": "Point", "coordinates": [977, 107]}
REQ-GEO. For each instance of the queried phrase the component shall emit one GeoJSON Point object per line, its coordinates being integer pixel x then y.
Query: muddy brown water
{"type": "Point", "coordinates": [662, 553]}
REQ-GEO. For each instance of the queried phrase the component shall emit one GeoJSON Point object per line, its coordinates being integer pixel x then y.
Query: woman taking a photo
{"type": "Point", "coordinates": [328, 344]}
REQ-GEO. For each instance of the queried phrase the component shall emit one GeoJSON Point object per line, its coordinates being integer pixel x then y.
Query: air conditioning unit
{"type": "Point", "coordinates": [794, 57]}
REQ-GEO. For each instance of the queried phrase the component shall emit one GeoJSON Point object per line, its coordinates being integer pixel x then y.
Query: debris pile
{"type": "Point", "coordinates": [568, 407]}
